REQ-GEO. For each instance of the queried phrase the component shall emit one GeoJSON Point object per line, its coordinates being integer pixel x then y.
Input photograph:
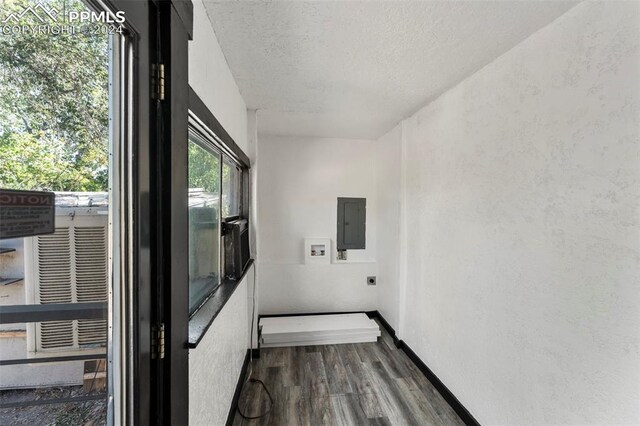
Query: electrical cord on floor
{"type": "Point", "coordinates": [244, 416]}
{"type": "Point", "coordinates": [249, 379]}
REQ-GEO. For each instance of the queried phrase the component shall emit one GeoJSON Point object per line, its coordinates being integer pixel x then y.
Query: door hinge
{"type": "Point", "coordinates": [157, 78]}
{"type": "Point", "coordinates": [157, 341]}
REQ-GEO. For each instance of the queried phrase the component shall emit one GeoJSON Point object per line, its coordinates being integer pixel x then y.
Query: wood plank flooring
{"type": "Point", "coordinates": [347, 384]}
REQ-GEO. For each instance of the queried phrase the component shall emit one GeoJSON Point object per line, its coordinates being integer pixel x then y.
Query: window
{"type": "Point", "coordinates": [231, 189]}
{"type": "Point", "coordinates": [204, 220]}
{"type": "Point", "coordinates": [68, 129]}
{"type": "Point", "coordinates": [215, 199]}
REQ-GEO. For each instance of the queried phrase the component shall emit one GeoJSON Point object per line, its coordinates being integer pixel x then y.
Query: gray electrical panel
{"type": "Point", "coordinates": [352, 219]}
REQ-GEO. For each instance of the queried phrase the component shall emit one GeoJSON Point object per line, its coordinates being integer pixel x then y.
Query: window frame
{"type": "Point", "coordinates": [210, 141]}
{"type": "Point", "coordinates": [207, 145]}
{"type": "Point", "coordinates": [200, 119]}
{"type": "Point", "coordinates": [131, 376]}
{"type": "Point", "coordinates": [240, 194]}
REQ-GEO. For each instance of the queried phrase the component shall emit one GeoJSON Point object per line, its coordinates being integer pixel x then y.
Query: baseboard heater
{"type": "Point", "coordinates": [308, 330]}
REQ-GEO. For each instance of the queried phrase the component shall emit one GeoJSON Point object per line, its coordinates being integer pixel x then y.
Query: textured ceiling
{"type": "Point", "coordinates": [356, 68]}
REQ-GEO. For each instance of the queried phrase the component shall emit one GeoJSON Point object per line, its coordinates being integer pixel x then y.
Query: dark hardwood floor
{"type": "Point", "coordinates": [348, 384]}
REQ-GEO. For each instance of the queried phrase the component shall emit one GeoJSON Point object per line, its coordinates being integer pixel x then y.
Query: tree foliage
{"type": "Point", "coordinates": [205, 174]}
{"type": "Point", "coordinates": [54, 110]}
{"type": "Point", "coordinates": [204, 169]}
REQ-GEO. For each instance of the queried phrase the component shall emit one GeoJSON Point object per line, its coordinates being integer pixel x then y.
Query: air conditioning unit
{"type": "Point", "coordinates": [236, 247]}
{"type": "Point", "coordinates": [69, 266]}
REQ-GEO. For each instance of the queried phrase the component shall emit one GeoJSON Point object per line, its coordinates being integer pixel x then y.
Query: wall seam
{"type": "Point", "coordinates": [402, 255]}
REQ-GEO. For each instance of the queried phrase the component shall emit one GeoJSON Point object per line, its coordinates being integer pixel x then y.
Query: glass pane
{"type": "Point", "coordinates": [230, 189]}
{"type": "Point", "coordinates": [59, 380]}
{"type": "Point", "coordinates": [54, 136]}
{"type": "Point", "coordinates": [204, 219]}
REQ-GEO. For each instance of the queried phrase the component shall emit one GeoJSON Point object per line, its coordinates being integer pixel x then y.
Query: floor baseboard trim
{"type": "Point", "coordinates": [302, 314]}
{"type": "Point", "coordinates": [238, 391]}
{"type": "Point", "coordinates": [451, 399]}
{"type": "Point", "coordinates": [387, 326]}
{"type": "Point", "coordinates": [457, 406]}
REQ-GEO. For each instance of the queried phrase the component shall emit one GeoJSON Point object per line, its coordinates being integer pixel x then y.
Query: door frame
{"type": "Point", "coordinates": [150, 284]}
{"type": "Point", "coordinates": [131, 371]}
{"type": "Point", "coordinates": [150, 387]}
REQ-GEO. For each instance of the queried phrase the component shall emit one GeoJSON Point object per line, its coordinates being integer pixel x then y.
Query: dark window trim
{"type": "Point", "coordinates": [140, 371]}
{"type": "Point", "coordinates": [209, 141]}
{"type": "Point", "coordinates": [202, 113]}
{"type": "Point", "coordinates": [205, 142]}
{"type": "Point", "coordinates": [172, 215]}
{"type": "Point", "coordinates": [204, 123]}
{"type": "Point", "coordinates": [203, 317]}
{"type": "Point", "coordinates": [243, 174]}
{"type": "Point", "coordinates": [184, 10]}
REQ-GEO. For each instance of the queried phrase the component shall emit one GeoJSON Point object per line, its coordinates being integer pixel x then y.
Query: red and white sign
{"type": "Point", "coordinates": [26, 213]}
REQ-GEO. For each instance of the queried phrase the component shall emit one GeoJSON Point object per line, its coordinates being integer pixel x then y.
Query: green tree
{"type": "Point", "coordinates": [54, 106]}
{"type": "Point", "coordinates": [204, 169]}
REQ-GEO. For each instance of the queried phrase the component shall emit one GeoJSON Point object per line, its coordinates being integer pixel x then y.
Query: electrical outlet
{"type": "Point", "coordinates": [371, 280]}
{"type": "Point", "coordinates": [342, 255]}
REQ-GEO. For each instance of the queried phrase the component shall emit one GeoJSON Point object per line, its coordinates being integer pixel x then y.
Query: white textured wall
{"type": "Point", "coordinates": [300, 180]}
{"type": "Point", "coordinates": [215, 364]}
{"type": "Point", "coordinates": [523, 241]}
{"type": "Point", "coordinates": [211, 79]}
{"type": "Point", "coordinates": [12, 266]}
{"type": "Point", "coordinates": [253, 291]}
{"type": "Point", "coordinates": [13, 345]}
{"type": "Point", "coordinates": [388, 170]}
{"type": "Point", "coordinates": [14, 339]}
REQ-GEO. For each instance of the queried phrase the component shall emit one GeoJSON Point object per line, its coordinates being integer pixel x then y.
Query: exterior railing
{"type": "Point", "coordinates": [12, 314]}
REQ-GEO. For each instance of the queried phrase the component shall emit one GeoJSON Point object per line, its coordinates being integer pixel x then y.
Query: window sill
{"type": "Point", "coordinates": [202, 319]}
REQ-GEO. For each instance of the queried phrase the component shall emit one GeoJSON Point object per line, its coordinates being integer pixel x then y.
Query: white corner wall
{"type": "Point", "coordinates": [300, 180]}
{"type": "Point", "coordinates": [389, 190]}
{"type": "Point", "coordinates": [211, 78]}
{"type": "Point", "coordinates": [253, 291]}
{"type": "Point", "coordinates": [522, 189]}
{"type": "Point", "coordinates": [215, 364]}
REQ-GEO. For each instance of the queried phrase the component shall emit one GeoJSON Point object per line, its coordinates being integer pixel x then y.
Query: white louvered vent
{"type": "Point", "coordinates": [56, 334]}
{"type": "Point", "coordinates": [91, 279]}
{"type": "Point", "coordinates": [54, 267]}
{"type": "Point", "coordinates": [54, 279]}
{"type": "Point", "coordinates": [71, 267]}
